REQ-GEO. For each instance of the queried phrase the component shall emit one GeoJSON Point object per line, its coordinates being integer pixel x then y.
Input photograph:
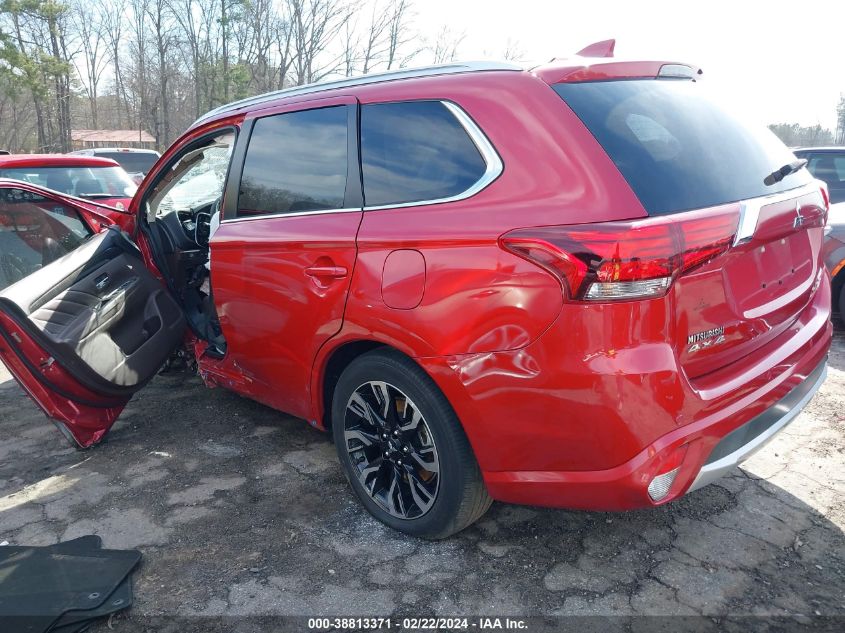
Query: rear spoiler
{"type": "Point", "coordinates": [598, 49]}
{"type": "Point", "coordinates": [595, 62]}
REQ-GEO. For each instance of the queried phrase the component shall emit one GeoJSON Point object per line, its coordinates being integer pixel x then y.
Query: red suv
{"type": "Point", "coordinates": [586, 285]}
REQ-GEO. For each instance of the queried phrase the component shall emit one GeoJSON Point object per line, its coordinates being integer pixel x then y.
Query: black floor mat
{"type": "Point", "coordinates": [121, 598]}
{"type": "Point", "coordinates": [39, 586]}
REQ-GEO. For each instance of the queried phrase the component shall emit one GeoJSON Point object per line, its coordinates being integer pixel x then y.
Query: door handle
{"type": "Point", "coordinates": [102, 281]}
{"type": "Point", "coordinates": [332, 272]}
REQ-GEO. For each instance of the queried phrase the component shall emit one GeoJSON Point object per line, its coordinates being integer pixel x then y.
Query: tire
{"type": "Point", "coordinates": [430, 485]}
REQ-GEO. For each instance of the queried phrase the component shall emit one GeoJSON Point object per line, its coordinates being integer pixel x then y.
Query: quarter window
{"type": "Point", "coordinates": [415, 151]}
{"type": "Point", "coordinates": [295, 162]}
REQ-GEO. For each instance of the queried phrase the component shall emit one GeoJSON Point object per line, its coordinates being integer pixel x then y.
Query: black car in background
{"type": "Point", "coordinates": [828, 164]}
{"type": "Point", "coordinates": [136, 162]}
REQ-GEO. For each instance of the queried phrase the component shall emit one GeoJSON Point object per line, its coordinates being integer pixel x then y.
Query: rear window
{"type": "Point", "coordinates": [677, 148]}
{"type": "Point", "coordinates": [84, 182]}
{"type": "Point", "coordinates": [415, 151]}
{"type": "Point", "coordinates": [133, 162]}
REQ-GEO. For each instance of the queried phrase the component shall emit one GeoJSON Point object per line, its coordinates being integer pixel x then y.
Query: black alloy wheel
{"type": "Point", "coordinates": [392, 449]}
{"type": "Point", "coordinates": [403, 449]}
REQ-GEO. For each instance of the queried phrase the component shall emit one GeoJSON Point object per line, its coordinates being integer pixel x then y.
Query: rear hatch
{"type": "Point", "coordinates": [746, 253]}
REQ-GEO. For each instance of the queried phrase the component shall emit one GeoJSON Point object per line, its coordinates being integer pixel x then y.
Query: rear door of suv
{"type": "Point", "coordinates": [282, 259]}
{"type": "Point", "coordinates": [748, 253]}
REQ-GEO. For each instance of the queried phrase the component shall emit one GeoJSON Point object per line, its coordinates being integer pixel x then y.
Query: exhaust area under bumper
{"type": "Point", "coordinates": [743, 442]}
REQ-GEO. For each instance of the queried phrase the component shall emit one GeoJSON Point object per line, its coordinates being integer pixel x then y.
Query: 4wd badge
{"type": "Point", "coordinates": [708, 338]}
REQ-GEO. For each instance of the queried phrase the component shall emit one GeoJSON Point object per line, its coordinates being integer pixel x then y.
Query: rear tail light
{"type": "Point", "coordinates": [625, 260]}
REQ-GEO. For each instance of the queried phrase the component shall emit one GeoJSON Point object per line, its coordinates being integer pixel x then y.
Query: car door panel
{"type": "Point", "coordinates": [100, 312]}
{"type": "Point", "coordinates": [274, 314]}
{"type": "Point", "coordinates": [82, 416]}
{"type": "Point", "coordinates": [87, 330]}
{"type": "Point", "coordinates": [280, 278]}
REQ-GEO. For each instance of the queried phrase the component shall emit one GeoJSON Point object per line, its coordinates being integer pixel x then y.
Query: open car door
{"type": "Point", "coordinates": [83, 323]}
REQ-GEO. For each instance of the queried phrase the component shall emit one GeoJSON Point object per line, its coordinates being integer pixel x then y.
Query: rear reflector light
{"type": "Point", "coordinates": [660, 485]}
{"type": "Point", "coordinates": [666, 473]}
{"type": "Point", "coordinates": [634, 259]}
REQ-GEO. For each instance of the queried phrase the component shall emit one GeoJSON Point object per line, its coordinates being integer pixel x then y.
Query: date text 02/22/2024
{"type": "Point", "coordinates": [418, 624]}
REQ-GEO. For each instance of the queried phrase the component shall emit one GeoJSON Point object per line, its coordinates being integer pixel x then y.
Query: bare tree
{"type": "Point", "coordinates": [139, 62]}
{"type": "Point", "coordinates": [156, 65]}
{"type": "Point", "coordinates": [90, 35]}
{"type": "Point", "coordinates": [113, 18]}
{"type": "Point", "coordinates": [194, 35]}
{"type": "Point", "coordinates": [375, 43]}
{"type": "Point", "coordinates": [162, 32]}
{"type": "Point", "coordinates": [445, 47]}
{"type": "Point", "coordinates": [513, 52]}
{"type": "Point", "coordinates": [260, 18]}
{"type": "Point", "coordinates": [351, 45]}
{"type": "Point", "coordinates": [314, 25]}
{"type": "Point", "coordinates": [286, 55]}
{"type": "Point", "coordinates": [399, 34]}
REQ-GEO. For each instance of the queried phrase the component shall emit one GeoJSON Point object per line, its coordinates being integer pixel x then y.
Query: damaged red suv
{"type": "Point", "coordinates": [587, 285]}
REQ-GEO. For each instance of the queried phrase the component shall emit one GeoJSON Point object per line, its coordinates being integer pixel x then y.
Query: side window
{"type": "Point", "coordinates": [295, 162]}
{"type": "Point", "coordinates": [415, 151]}
{"type": "Point", "coordinates": [35, 231]}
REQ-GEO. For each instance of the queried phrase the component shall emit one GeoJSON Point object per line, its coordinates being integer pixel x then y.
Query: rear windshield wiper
{"type": "Point", "coordinates": [779, 174]}
{"type": "Point", "coordinates": [96, 195]}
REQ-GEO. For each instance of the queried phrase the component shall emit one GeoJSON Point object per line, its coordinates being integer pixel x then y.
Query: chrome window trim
{"type": "Point", "coordinates": [269, 216]}
{"type": "Point", "coordinates": [749, 210]}
{"type": "Point", "coordinates": [488, 154]}
{"type": "Point", "coordinates": [390, 75]}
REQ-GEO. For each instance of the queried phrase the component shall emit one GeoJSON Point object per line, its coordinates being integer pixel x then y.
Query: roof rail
{"type": "Point", "coordinates": [390, 75]}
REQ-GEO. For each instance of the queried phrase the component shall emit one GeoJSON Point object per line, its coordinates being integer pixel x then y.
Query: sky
{"type": "Point", "coordinates": [777, 61]}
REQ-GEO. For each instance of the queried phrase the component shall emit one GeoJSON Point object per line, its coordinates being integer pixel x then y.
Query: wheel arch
{"type": "Point", "coordinates": [334, 360]}
{"type": "Point", "coordinates": [329, 368]}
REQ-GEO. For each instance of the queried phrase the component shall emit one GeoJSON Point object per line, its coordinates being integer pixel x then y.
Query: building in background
{"type": "Point", "coordinates": [88, 139]}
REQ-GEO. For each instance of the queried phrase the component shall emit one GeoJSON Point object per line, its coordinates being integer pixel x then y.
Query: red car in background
{"type": "Point", "coordinates": [586, 285]}
{"type": "Point", "coordinates": [96, 179]}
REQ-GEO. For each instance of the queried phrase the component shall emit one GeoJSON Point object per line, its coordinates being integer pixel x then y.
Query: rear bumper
{"type": "Point", "coordinates": [746, 440]}
{"type": "Point", "coordinates": [556, 424]}
{"type": "Point", "coordinates": [625, 487]}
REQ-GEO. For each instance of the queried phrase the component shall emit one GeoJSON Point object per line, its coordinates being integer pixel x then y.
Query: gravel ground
{"type": "Point", "coordinates": [243, 511]}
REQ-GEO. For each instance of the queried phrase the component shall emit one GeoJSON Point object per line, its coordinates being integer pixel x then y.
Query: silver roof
{"type": "Point", "coordinates": [372, 78]}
